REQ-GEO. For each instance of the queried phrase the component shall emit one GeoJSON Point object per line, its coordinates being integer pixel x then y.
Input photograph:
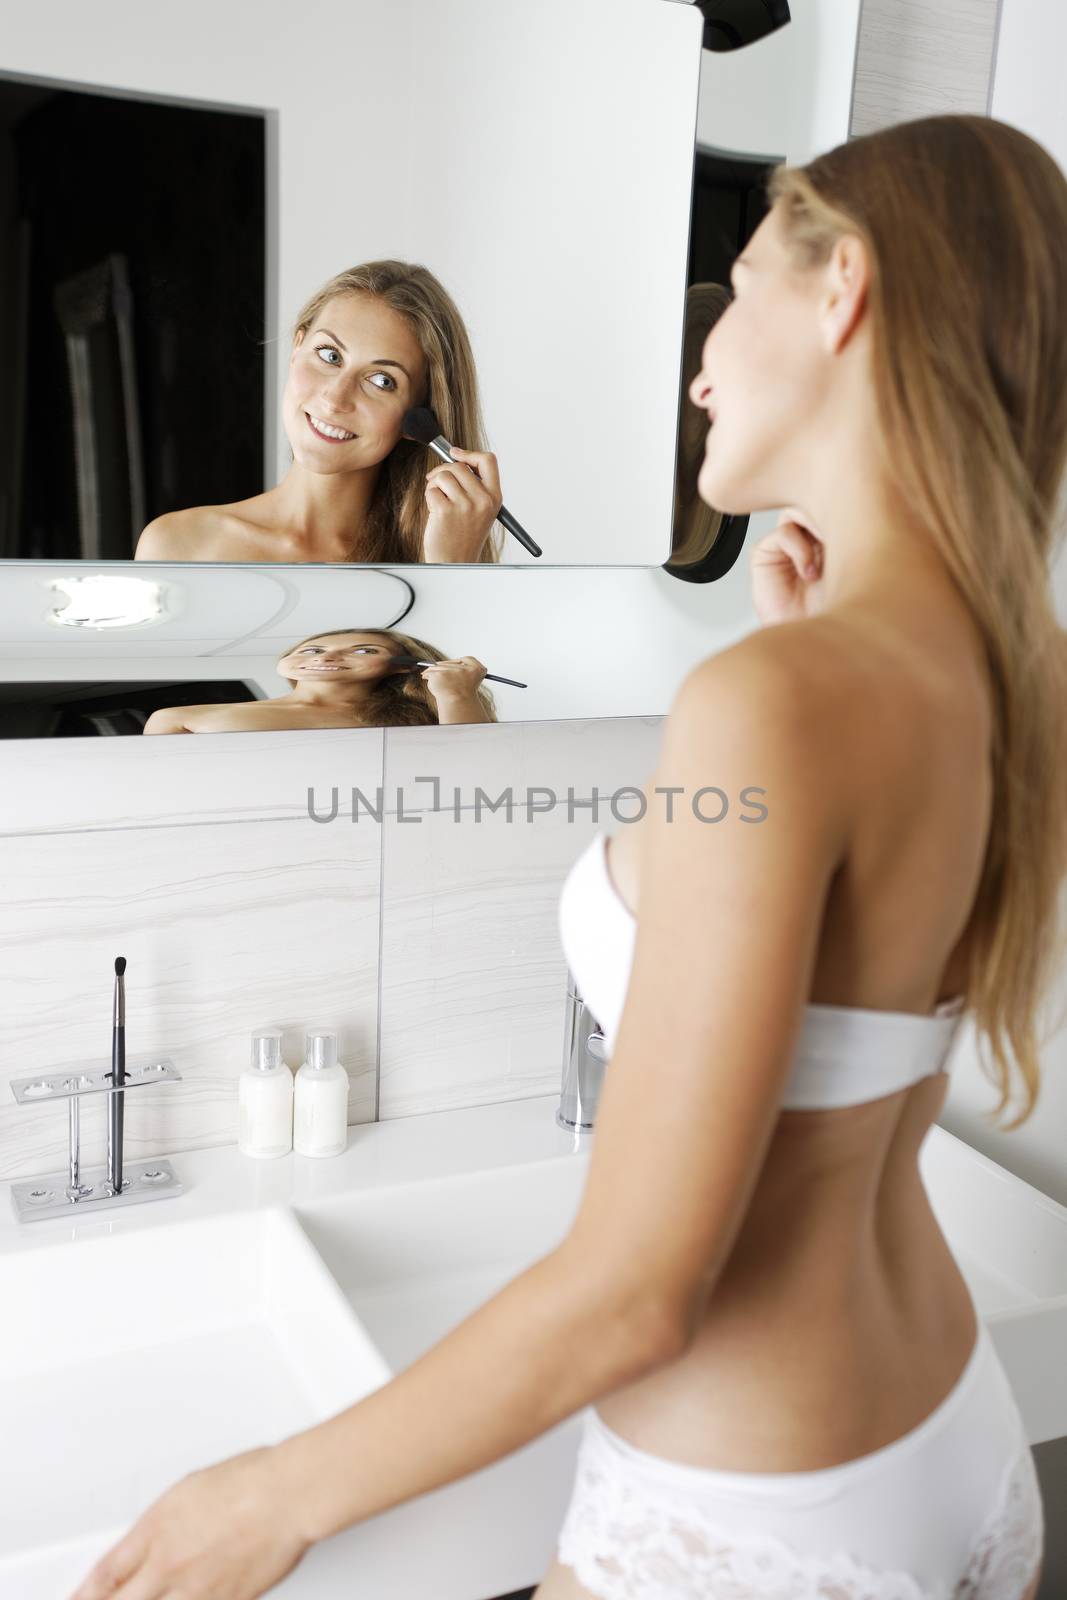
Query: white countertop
{"type": "Point", "coordinates": [402, 1150]}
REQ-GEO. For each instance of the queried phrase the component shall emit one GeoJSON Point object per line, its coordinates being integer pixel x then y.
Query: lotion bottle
{"type": "Point", "coordinates": [265, 1099]}
{"type": "Point", "coordinates": [320, 1118]}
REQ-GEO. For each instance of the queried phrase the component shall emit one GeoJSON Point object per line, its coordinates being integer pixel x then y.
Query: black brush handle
{"type": "Point", "coordinates": [118, 1101]}
{"type": "Point", "coordinates": [443, 448]}
{"type": "Point", "coordinates": [410, 661]}
{"type": "Point", "coordinates": [516, 529]}
{"type": "Point", "coordinates": [116, 1105]}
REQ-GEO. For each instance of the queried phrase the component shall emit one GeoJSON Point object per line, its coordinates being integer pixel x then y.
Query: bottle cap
{"type": "Point", "coordinates": [267, 1049]}
{"type": "Point", "coordinates": [321, 1048]}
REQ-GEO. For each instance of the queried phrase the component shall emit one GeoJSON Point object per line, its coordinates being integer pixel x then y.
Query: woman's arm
{"type": "Point", "coordinates": [454, 686]}
{"type": "Point", "coordinates": [171, 719]}
{"type": "Point", "coordinates": [468, 709]}
{"type": "Point", "coordinates": [549, 1343]}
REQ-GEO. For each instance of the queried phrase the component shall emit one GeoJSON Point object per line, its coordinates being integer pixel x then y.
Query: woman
{"type": "Point", "coordinates": [371, 344]}
{"type": "Point", "coordinates": [346, 679]}
{"type": "Point", "coordinates": [794, 1396]}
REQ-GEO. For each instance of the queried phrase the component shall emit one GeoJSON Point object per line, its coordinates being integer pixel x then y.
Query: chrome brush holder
{"type": "Point", "coordinates": [60, 1194]}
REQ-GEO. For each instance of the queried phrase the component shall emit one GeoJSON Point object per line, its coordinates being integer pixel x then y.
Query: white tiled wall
{"type": "Point", "coordinates": [195, 859]}
{"type": "Point", "coordinates": [428, 938]}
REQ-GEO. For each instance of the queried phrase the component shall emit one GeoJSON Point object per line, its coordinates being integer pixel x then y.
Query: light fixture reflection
{"type": "Point", "coordinates": [103, 601]}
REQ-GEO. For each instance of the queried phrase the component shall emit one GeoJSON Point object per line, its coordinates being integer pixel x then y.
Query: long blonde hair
{"type": "Point", "coordinates": [696, 525]}
{"type": "Point", "coordinates": [401, 700]}
{"type": "Point", "coordinates": [965, 223]}
{"type": "Point", "coordinates": [397, 517]}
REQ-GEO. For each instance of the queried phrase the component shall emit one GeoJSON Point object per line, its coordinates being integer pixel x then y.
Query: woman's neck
{"type": "Point", "coordinates": [326, 508]}
{"type": "Point", "coordinates": [351, 696]}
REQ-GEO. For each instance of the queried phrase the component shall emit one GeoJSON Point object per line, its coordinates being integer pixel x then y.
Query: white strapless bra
{"type": "Point", "coordinates": [844, 1056]}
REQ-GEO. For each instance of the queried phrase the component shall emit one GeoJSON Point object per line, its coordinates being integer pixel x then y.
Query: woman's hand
{"type": "Point", "coordinates": [463, 502]}
{"type": "Point", "coordinates": [226, 1533]}
{"type": "Point", "coordinates": [787, 570]}
{"type": "Point", "coordinates": [454, 687]}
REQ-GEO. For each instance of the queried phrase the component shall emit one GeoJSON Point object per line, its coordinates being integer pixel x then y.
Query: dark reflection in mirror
{"type": "Point", "coordinates": [731, 24]}
{"type": "Point", "coordinates": [132, 274]}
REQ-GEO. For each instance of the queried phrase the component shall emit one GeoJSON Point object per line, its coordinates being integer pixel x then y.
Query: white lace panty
{"type": "Point", "coordinates": [950, 1511]}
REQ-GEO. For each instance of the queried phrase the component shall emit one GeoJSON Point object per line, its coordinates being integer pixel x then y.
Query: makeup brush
{"type": "Point", "coordinates": [412, 661]}
{"type": "Point", "coordinates": [116, 1102]}
{"type": "Point", "coordinates": [421, 425]}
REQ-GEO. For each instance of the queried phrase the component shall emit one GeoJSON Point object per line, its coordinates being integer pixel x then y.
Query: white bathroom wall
{"type": "Point", "coordinates": [1028, 74]}
{"type": "Point", "coordinates": [428, 937]}
{"type": "Point", "coordinates": [471, 955]}
{"type": "Point", "coordinates": [602, 96]}
{"type": "Point", "coordinates": [1028, 92]}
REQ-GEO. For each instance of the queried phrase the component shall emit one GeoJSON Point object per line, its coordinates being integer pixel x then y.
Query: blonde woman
{"type": "Point", "coordinates": [370, 344]}
{"type": "Point", "coordinates": [347, 679]}
{"type": "Point", "coordinates": [786, 1389]}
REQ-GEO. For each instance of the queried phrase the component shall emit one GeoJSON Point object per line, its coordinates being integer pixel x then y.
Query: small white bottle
{"type": "Point", "coordinates": [265, 1099]}
{"type": "Point", "coordinates": [320, 1115]}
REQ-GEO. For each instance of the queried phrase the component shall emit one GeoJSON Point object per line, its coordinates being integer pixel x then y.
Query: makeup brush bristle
{"type": "Point", "coordinates": [420, 423]}
{"type": "Point", "coordinates": [120, 966]}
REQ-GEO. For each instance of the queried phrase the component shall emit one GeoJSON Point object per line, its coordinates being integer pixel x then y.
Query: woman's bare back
{"type": "Point", "coordinates": [841, 1318]}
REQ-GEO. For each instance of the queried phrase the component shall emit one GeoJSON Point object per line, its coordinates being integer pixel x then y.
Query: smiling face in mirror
{"type": "Point", "coordinates": [763, 376]}
{"type": "Point", "coordinates": [337, 660]}
{"type": "Point", "coordinates": [352, 375]}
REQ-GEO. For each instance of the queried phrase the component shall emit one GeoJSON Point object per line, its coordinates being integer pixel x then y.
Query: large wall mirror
{"type": "Point", "coordinates": [424, 142]}
{"type": "Point", "coordinates": [176, 188]}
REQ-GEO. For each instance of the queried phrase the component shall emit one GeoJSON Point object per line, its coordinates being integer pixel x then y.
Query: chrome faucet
{"type": "Point", "coordinates": [65, 1193]}
{"type": "Point", "coordinates": [585, 1055]}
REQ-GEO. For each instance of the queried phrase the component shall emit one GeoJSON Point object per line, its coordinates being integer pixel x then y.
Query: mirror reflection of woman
{"type": "Point", "coordinates": [696, 525]}
{"type": "Point", "coordinates": [372, 343]}
{"type": "Point", "coordinates": [347, 679]}
{"type": "Point", "coordinates": [785, 1387]}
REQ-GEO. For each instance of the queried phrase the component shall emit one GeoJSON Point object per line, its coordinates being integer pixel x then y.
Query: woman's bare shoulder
{"type": "Point", "coordinates": [174, 719]}
{"type": "Point", "coordinates": [201, 533]}
{"type": "Point", "coordinates": [792, 694]}
{"type": "Point", "coordinates": [787, 663]}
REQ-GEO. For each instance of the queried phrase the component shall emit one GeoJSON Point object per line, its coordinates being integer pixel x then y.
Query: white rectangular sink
{"type": "Point", "coordinates": [129, 1360]}
{"type": "Point", "coordinates": [413, 1261]}
{"type": "Point", "coordinates": [1010, 1242]}
{"type": "Point", "coordinates": [132, 1359]}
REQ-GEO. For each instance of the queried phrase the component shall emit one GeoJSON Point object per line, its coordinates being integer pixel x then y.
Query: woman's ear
{"type": "Point", "coordinates": [298, 339]}
{"type": "Point", "coordinates": [844, 298]}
